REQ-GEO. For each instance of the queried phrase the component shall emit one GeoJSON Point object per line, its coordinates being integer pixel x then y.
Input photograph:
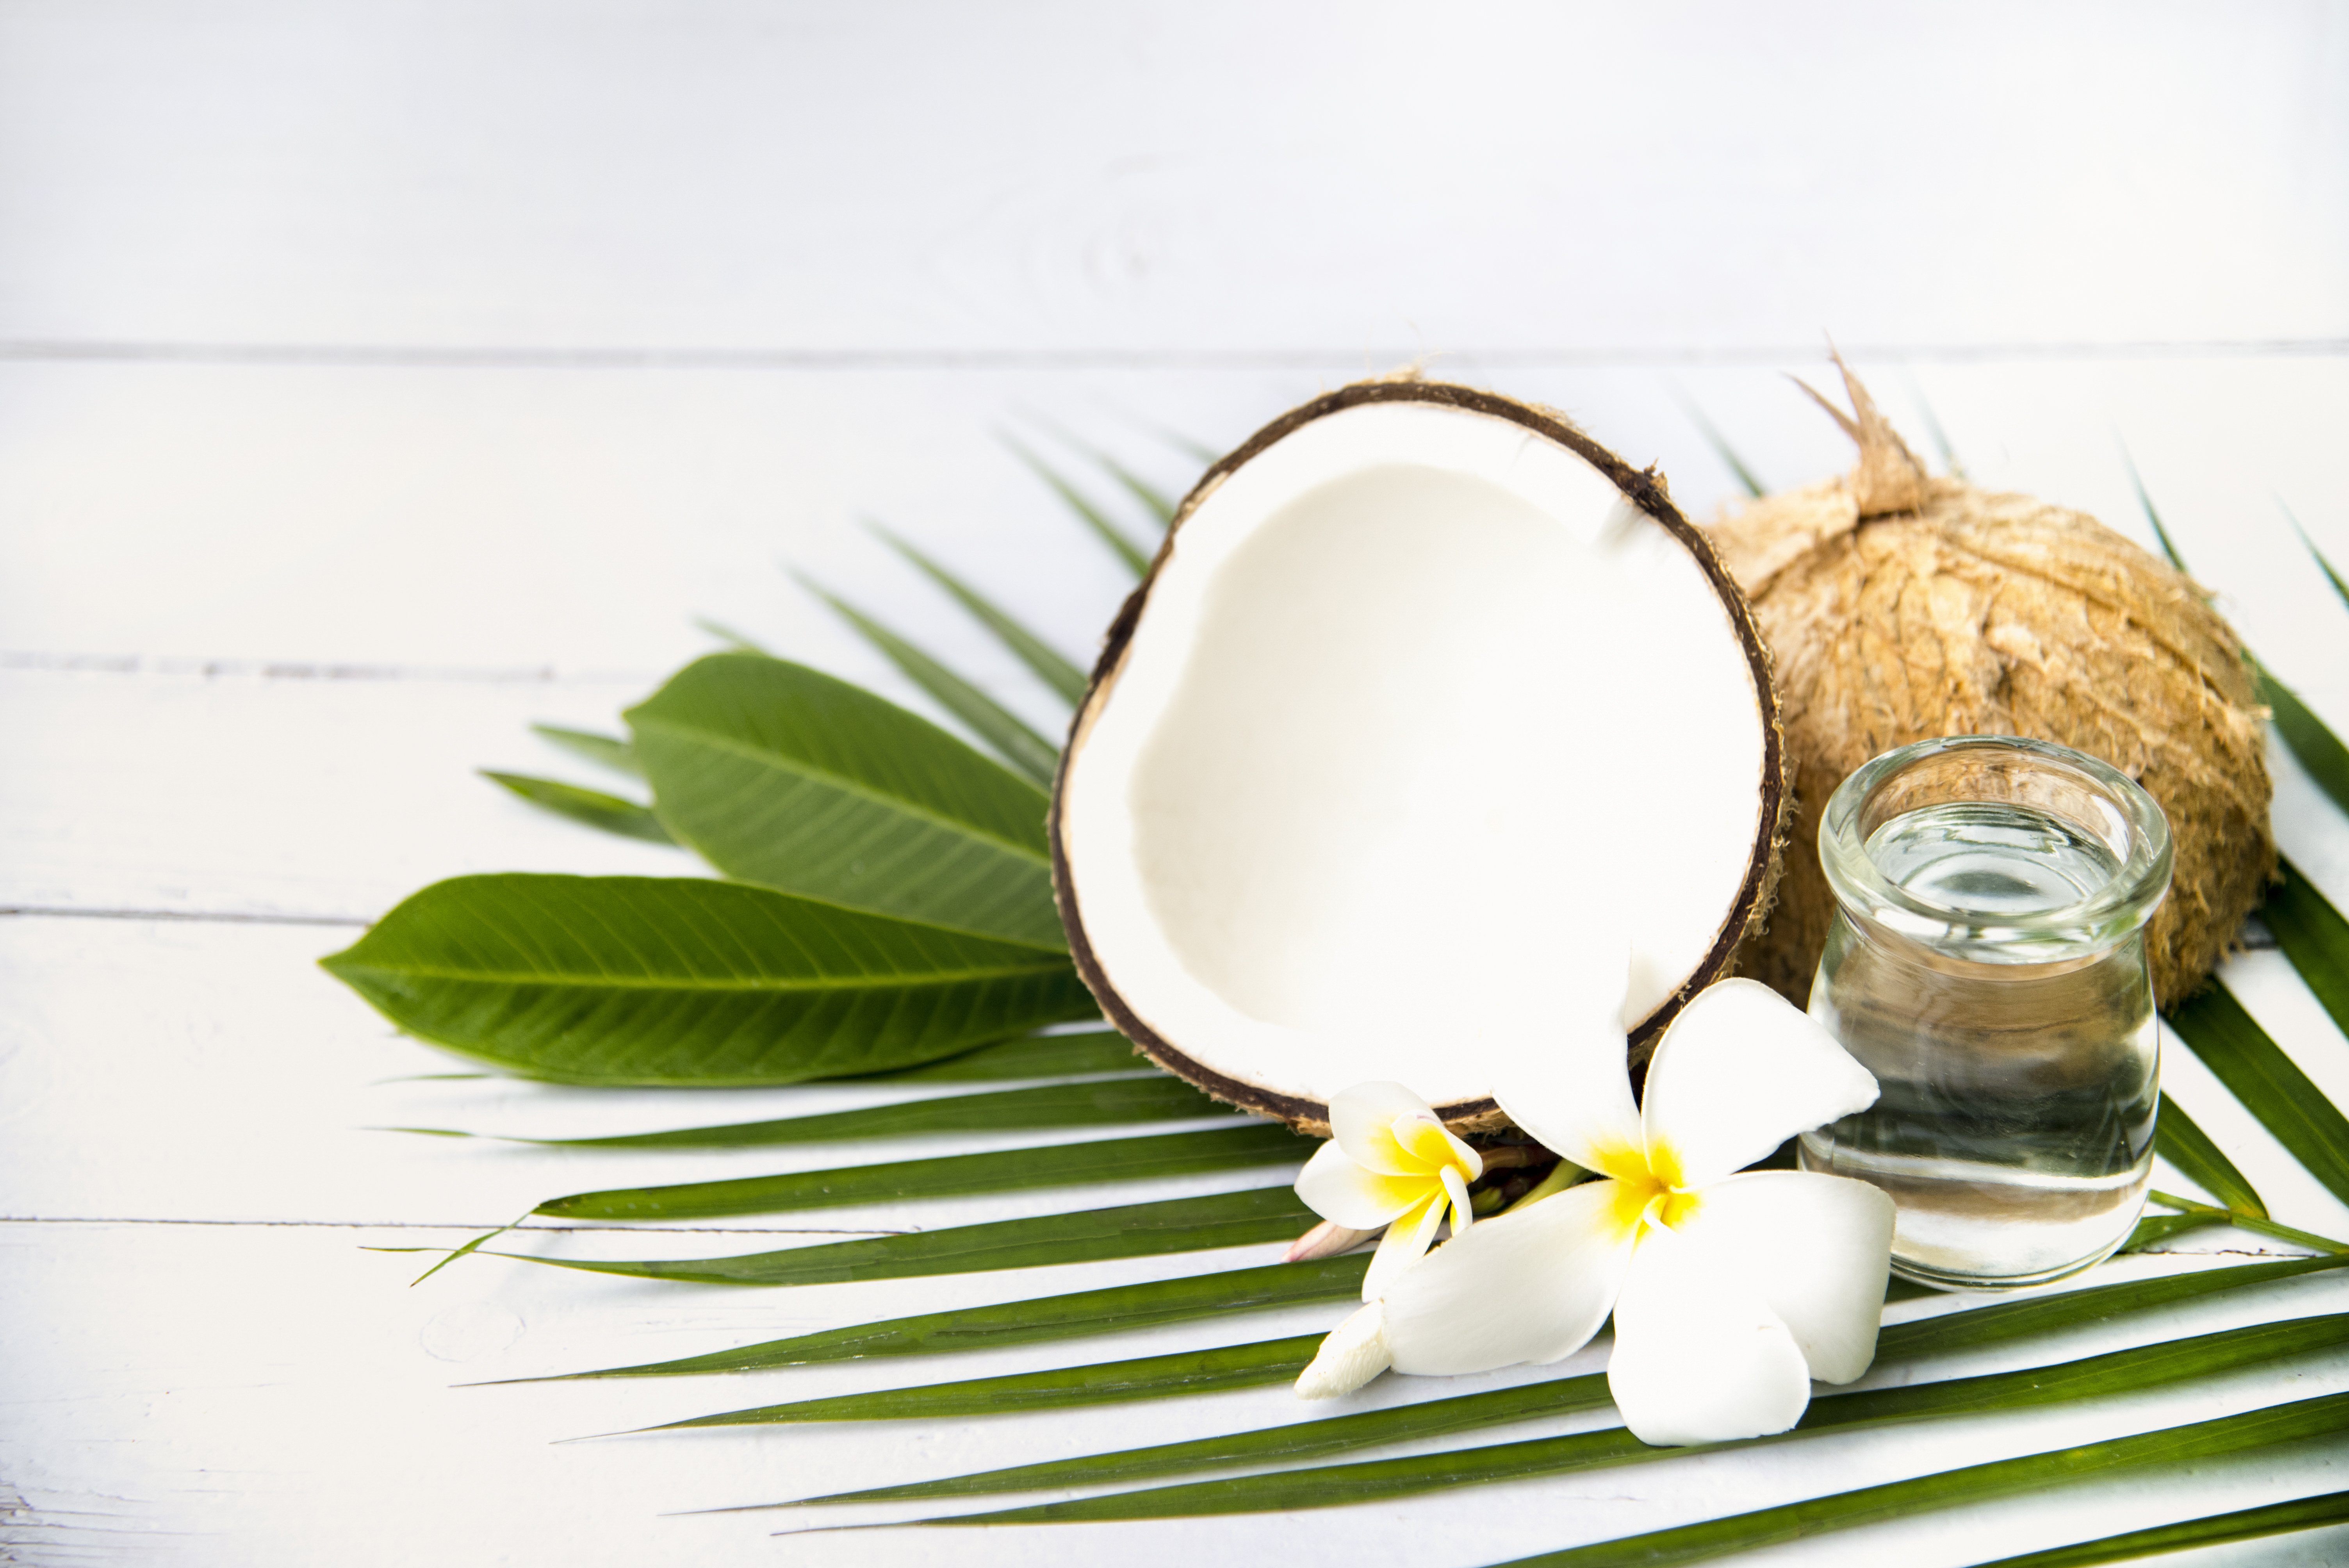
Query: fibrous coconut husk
{"type": "Point", "coordinates": [1902, 606]}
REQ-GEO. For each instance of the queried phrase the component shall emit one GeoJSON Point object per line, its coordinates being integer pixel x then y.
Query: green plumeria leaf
{"type": "Point", "coordinates": [2260, 1429]}
{"type": "Point", "coordinates": [1038, 1056]}
{"type": "Point", "coordinates": [1963, 1330]}
{"type": "Point", "coordinates": [1103, 1382]}
{"type": "Point", "coordinates": [2189, 1148]}
{"type": "Point", "coordinates": [960, 1175]}
{"type": "Point", "coordinates": [2271, 1087]}
{"type": "Point", "coordinates": [781, 775]}
{"type": "Point", "coordinates": [1002, 729]}
{"type": "Point", "coordinates": [1100, 1102]}
{"type": "Point", "coordinates": [606, 750]}
{"type": "Point", "coordinates": [2215, 1529]}
{"type": "Point", "coordinates": [2313, 937]}
{"type": "Point", "coordinates": [1379, 1481]}
{"type": "Point", "coordinates": [1029, 649]}
{"type": "Point", "coordinates": [1132, 554]}
{"type": "Point", "coordinates": [655, 980]}
{"type": "Point", "coordinates": [1088, 1235]}
{"type": "Point", "coordinates": [610, 812]}
{"type": "Point", "coordinates": [1116, 1310]}
{"type": "Point", "coordinates": [2312, 743]}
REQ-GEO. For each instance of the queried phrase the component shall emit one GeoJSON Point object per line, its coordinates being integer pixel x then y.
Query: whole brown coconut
{"type": "Point", "coordinates": [1900, 606]}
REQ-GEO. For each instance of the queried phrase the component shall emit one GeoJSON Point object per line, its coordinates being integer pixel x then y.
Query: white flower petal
{"type": "Point", "coordinates": [1455, 1187]}
{"type": "Point", "coordinates": [1531, 1286]}
{"type": "Point", "coordinates": [1354, 1353]}
{"type": "Point", "coordinates": [1405, 1243]}
{"type": "Point", "coordinates": [1575, 1097]}
{"type": "Point", "coordinates": [1699, 1358]}
{"type": "Point", "coordinates": [1815, 1248]}
{"type": "Point", "coordinates": [1335, 1188]}
{"type": "Point", "coordinates": [1359, 1120]}
{"type": "Point", "coordinates": [1741, 1071]}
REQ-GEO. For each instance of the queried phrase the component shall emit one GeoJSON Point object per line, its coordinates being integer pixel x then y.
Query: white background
{"type": "Point", "coordinates": [378, 377]}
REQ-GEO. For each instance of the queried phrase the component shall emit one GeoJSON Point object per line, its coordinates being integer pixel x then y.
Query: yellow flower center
{"type": "Point", "coordinates": [1648, 1189]}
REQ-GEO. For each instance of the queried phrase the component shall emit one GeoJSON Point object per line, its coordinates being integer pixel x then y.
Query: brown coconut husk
{"type": "Point", "coordinates": [1902, 606]}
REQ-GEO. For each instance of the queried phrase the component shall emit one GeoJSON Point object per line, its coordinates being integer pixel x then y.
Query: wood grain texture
{"type": "Point", "coordinates": [375, 379]}
{"type": "Point", "coordinates": [1052, 177]}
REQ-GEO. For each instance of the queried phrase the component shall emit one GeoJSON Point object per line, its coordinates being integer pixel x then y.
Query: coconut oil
{"type": "Point", "coordinates": [1987, 964]}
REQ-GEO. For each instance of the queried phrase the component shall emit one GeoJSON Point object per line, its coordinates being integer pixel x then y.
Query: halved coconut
{"type": "Point", "coordinates": [1427, 698]}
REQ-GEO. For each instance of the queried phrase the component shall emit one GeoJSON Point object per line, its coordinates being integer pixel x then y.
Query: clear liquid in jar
{"type": "Point", "coordinates": [2015, 1126]}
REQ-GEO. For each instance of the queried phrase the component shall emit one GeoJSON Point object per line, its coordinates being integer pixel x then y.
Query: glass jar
{"type": "Point", "coordinates": [1987, 964]}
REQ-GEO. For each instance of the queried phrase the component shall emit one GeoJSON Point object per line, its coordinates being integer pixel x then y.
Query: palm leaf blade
{"type": "Point", "coordinates": [1116, 1310]}
{"type": "Point", "coordinates": [1724, 450]}
{"type": "Point", "coordinates": [2189, 1148]}
{"type": "Point", "coordinates": [2310, 742]}
{"type": "Point", "coordinates": [961, 1175]}
{"type": "Point", "coordinates": [1025, 645]}
{"type": "Point", "coordinates": [988, 719]}
{"type": "Point", "coordinates": [1379, 1481]}
{"type": "Point", "coordinates": [612, 813]}
{"type": "Point", "coordinates": [1090, 515]}
{"type": "Point", "coordinates": [2193, 1214]}
{"type": "Point", "coordinates": [2338, 587]}
{"type": "Point", "coordinates": [1037, 1055]}
{"type": "Point", "coordinates": [1088, 1235]}
{"type": "Point", "coordinates": [2270, 1083]}
{"type": "Point", "coordinates": [2313, 937]}
{"type": "Point", "coordinates": [1975, 1483]}
{"type": "Point", "coordinates": [1091, 1104]}
{"type": "Point", "coordinates": [1440, 1417]}
{"type": "Point", "coordinates": [608, 750]}
{"type": "Point", "coordinates": [1185, 1372]}
{"type": "Point", "coordinates": [1296, 1440]}
{"type": "Point", "coordinates": [2215, 1529]}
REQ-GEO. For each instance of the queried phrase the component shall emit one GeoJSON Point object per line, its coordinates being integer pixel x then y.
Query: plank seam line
{"type": "Point", "coordinates": [449, 1225]}
{"type": "Point", "coordinates": [208, 917]}
{"type": "Point", "coordinates": [285, 669]}
{"type": "Point", "coordinates": [651, 357]}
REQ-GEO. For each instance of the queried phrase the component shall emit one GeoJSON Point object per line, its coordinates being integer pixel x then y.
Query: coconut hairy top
{"type": "Point", "coordinates": [1902, 606]}
{"type": "Point", "coordinates": [1425, 695]}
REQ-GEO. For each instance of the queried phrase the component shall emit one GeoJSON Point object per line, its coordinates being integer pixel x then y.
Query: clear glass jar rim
{"type": "Point", "coordinates": [2122, 905]}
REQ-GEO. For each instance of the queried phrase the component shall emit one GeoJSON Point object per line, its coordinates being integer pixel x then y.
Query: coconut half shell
{"type": "Point", "coordinates": [1428, 703]}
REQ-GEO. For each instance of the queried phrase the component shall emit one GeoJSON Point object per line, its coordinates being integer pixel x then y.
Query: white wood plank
{"type": "Point", "coordinates": [188, 1070]}
{"type": "Point", "coordinates": [580, 520]}
{"type": "Point", "coordinates": [256, 796]}
{"type": "Point", "coordinates": [1218, 177]}
{"type": "Point", "coordinates": [291, 1405]}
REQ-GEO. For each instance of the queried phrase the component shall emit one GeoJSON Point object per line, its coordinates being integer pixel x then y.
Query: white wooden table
{"type": "Point", "coordinates": [376, 378]}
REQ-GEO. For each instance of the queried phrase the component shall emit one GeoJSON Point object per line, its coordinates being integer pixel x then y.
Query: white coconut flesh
{"type": "Point", "coordinates": [1422, 722]}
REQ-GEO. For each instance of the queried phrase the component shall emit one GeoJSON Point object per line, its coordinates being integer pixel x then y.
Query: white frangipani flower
{"type": "Point", "coordinates": [1389, 1162]}
{"type": "Point", "coordinates": [1730, 1293]}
